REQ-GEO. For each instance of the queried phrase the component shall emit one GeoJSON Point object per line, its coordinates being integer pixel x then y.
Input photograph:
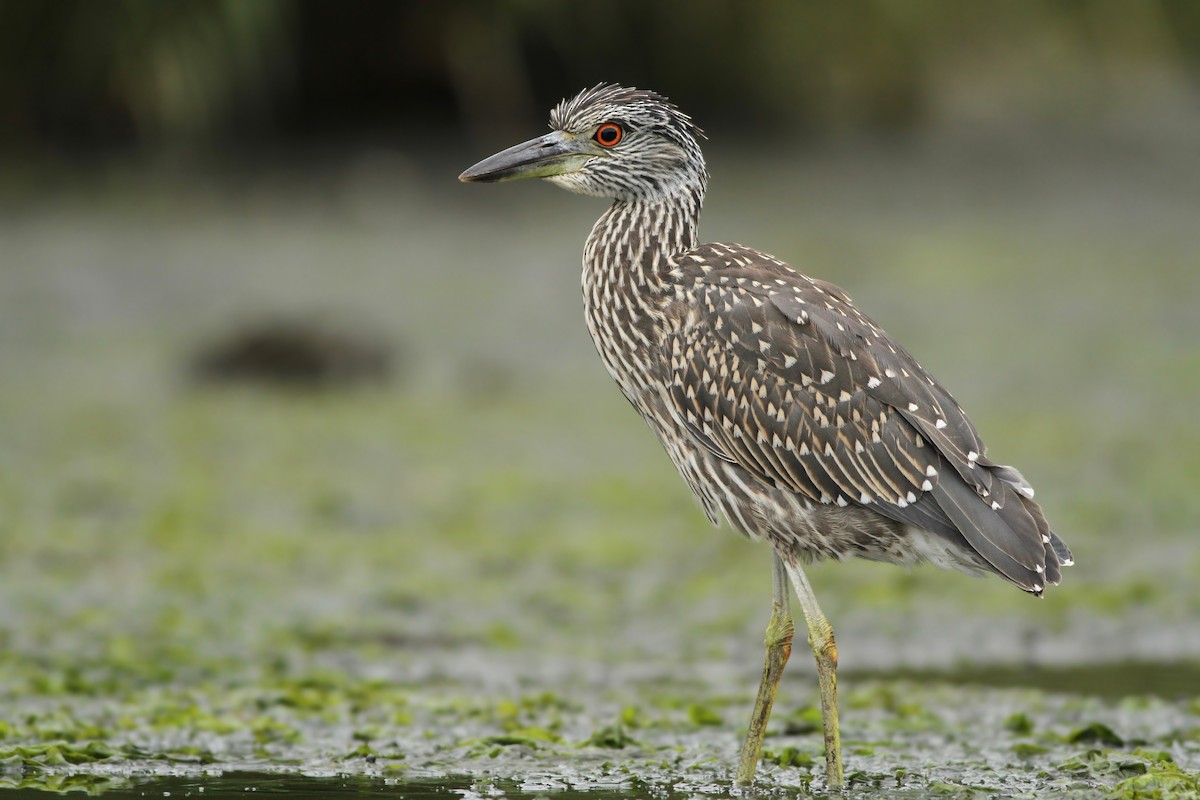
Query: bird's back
{"type": "Point", "coordinates": [800, 420]}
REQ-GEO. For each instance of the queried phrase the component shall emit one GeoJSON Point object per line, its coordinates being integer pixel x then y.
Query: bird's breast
{"type": "Point", "coordinates": [626, 325]}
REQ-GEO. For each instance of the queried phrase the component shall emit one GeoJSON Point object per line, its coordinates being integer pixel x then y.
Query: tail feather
{"type": "Point", "coordinates": [1054, 557]}
{"type": "Point", "coordinates": [1017, 554]}
{"type": "Point", "coordinates": [1057, 553]}
{"type": "Point", "coordinates": [1023, 517]}
{"type": "Point", "coordinates": [1061, 551]}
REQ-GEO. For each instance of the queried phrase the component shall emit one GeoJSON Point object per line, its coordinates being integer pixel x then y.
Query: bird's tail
{"type": "Point", "coordinates": [1006, 527]}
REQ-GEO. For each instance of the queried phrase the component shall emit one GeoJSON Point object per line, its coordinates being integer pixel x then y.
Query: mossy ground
{"type": "Point", "coordinates": [487, 569]}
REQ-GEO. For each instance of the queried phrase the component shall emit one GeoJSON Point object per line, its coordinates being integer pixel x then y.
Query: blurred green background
{"type": "Point", "coordinates": [276, 390]}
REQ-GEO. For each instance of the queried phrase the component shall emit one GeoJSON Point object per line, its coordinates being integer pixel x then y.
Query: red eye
{"type": "Point", "coordinates": [609, 134]}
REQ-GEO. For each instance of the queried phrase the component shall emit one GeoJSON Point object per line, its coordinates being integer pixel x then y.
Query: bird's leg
{"type": "Point", "coordinates": [779, 648]}
{"type": "Point", "coordinates": [820, 638]}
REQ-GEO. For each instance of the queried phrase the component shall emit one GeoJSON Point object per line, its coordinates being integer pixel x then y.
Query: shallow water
{"type": "Point", "coordinates": [642, 739]}
{"type": "Point", "coordinates": [240, 784]}
{"type": "Point", "coordinates": [1108, 680]}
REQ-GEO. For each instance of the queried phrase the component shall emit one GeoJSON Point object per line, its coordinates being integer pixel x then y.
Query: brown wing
{"type": "Point", "coordinates": [784, 376]}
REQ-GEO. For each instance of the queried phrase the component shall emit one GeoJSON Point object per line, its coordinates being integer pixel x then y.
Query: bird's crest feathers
{"type": "Point", "coordinates": [595, 105]}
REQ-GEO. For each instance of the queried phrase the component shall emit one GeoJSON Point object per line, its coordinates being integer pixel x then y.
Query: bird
{"type": "Point", "coordinates": [787, 410]}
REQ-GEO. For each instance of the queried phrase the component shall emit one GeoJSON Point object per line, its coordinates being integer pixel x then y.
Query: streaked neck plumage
{"type": "Point", "coordinates": [624, 265]}
{"type": "Point", "coordinates": [636, 236]}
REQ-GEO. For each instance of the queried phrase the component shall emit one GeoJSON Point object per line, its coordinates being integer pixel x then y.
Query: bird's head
{"type": "Point", "coordinates": [608, 141]}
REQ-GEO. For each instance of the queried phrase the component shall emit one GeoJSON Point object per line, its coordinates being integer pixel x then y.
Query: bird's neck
{"type": "Point", "coordinates": [630, 244]}
{"type": "Point", "coordinates": [625, 262]}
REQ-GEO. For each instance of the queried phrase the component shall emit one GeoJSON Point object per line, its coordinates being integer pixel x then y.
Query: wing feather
{"type": "Point", "coordinates": [782, 375]}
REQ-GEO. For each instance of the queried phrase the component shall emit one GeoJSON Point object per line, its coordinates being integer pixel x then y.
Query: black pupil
{"type": "Point", "coordinates": [609, 134]}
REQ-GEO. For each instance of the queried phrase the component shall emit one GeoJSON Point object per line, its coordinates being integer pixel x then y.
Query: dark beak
{"type": "Point", "coordinates": [556, 153]}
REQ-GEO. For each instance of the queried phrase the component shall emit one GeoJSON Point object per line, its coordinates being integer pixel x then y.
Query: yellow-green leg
{"type": "Point", "coordinates": [820, 638]}
{"type": "Point", "coordinates": [779, 649]}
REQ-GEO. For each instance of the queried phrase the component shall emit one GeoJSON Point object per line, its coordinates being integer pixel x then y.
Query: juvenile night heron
{"type": "Point", "coordinates": [786, 409]}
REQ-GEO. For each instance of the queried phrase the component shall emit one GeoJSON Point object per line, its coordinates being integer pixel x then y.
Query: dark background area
{"type": "Point", "coordinates": [133, 75]}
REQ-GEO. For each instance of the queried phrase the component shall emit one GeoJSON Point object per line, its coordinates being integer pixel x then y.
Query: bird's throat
{"type": "Point", "coordinates": [625, 265]}
{"type": "Point", "coordinates": [631, 243]}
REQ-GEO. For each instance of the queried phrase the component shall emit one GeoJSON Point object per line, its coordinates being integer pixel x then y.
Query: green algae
{"type": "Point", "coordinates": [1164, 781]}
{"type": "Point", "coordinates": [699, 714]}
{"type": "Point", "coordinates": [789, 757]}
{"type": "Point", "coordinates": [1018, 723]}
{"type": "Point", "coordinates": [1095, 732]}
{"type": "Point", "coordinates": [75, 783]}
{"type": "Point", "coordinates": [611, 737]}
